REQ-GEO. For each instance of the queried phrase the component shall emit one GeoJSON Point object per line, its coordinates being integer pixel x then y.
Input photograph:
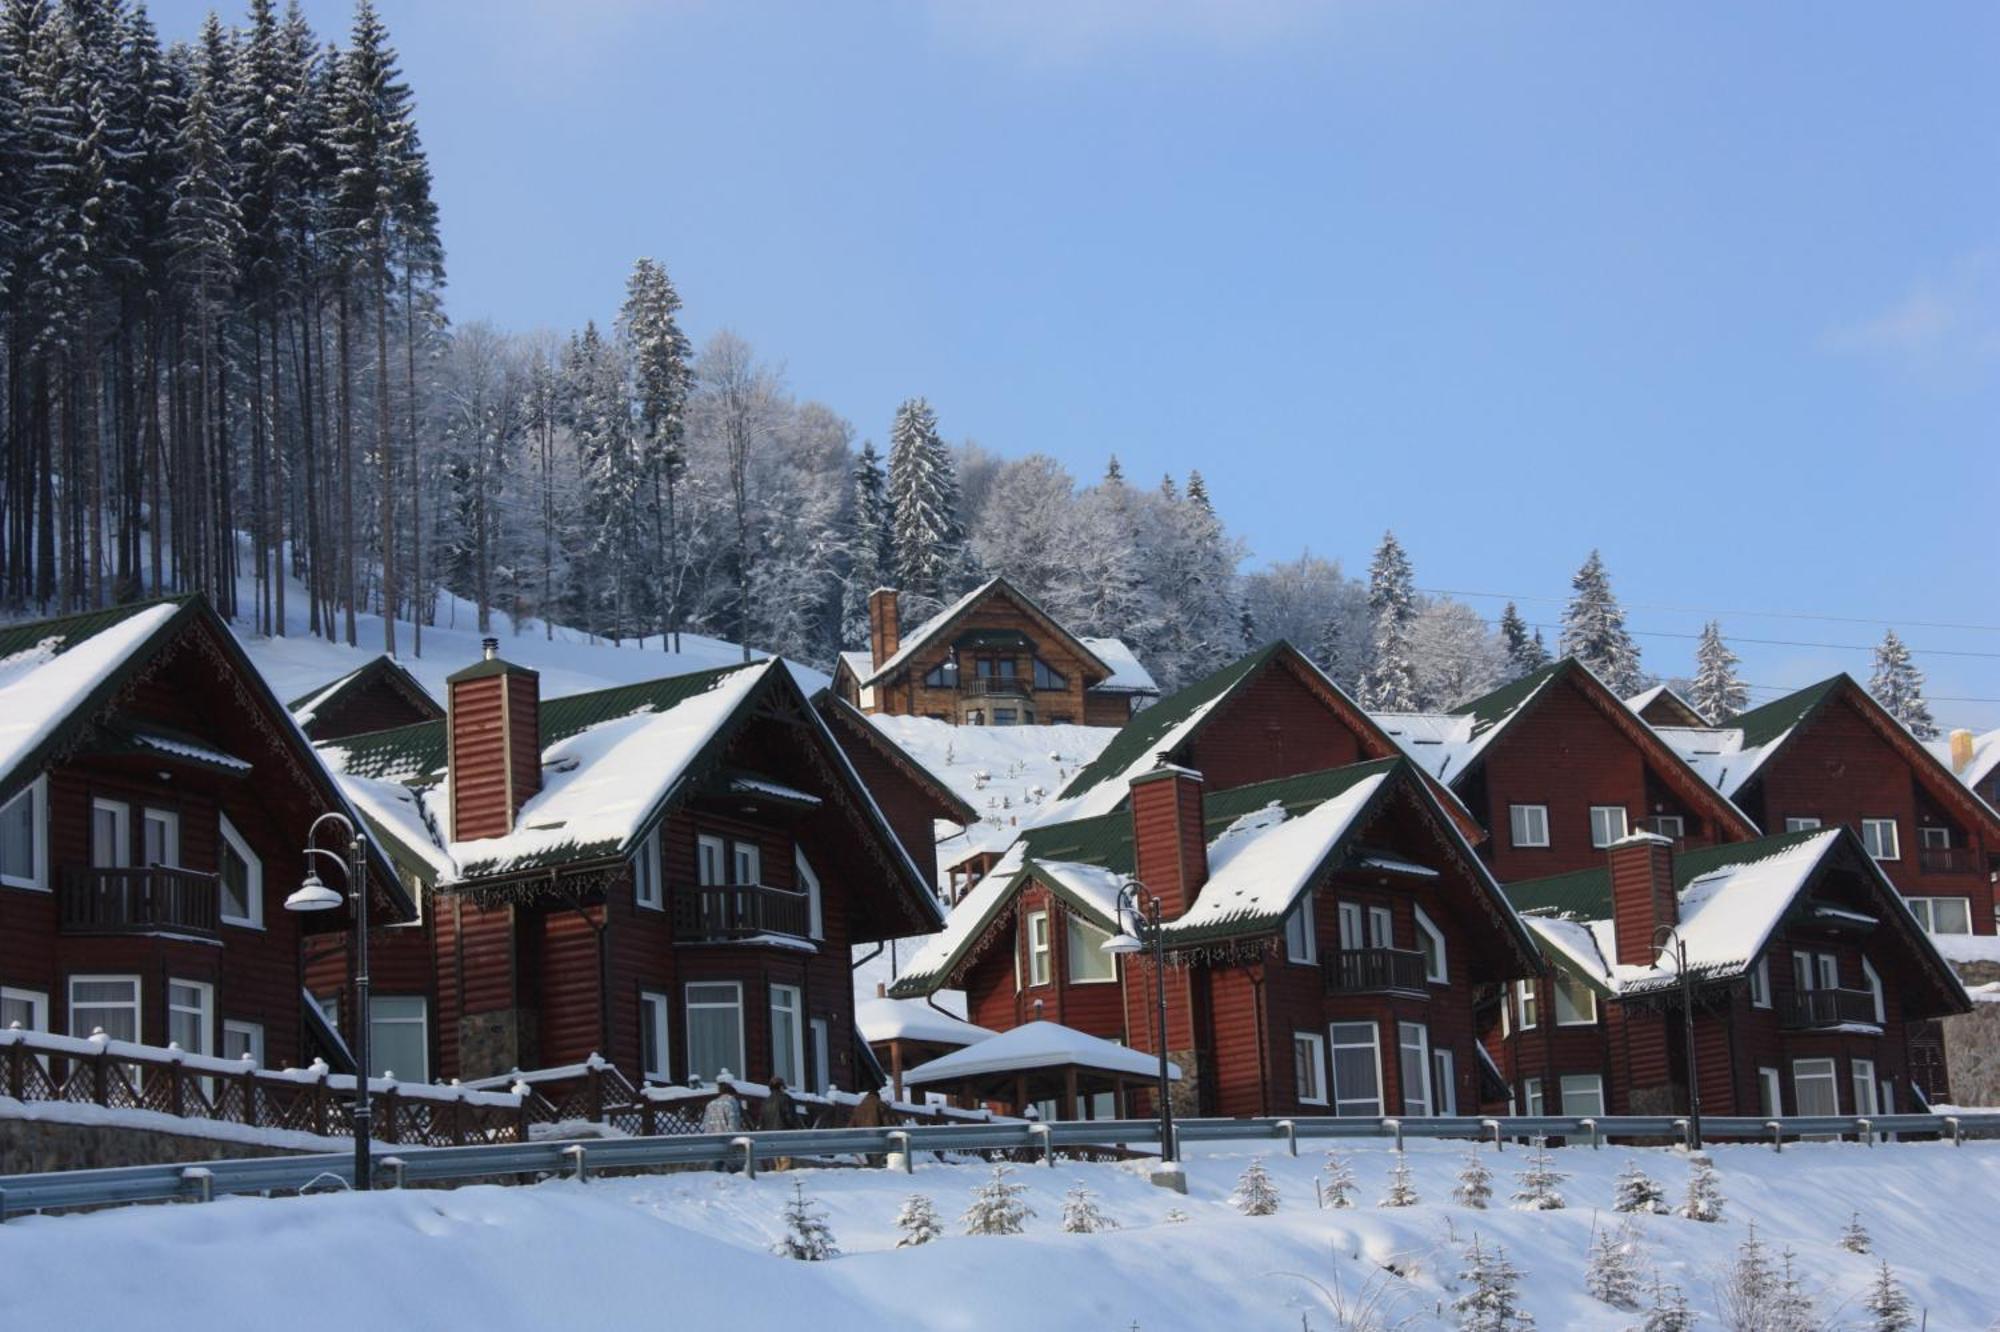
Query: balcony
{"type": "Point", "coordinates": [157, 900]}
{"type": "Point", "coordinates": [1945, 860]}
{"type": "Point", "coordinates": [708, 913]}
{"type": "Point", "coordinates": [1374, 970]}
{"type": "Point", "coordinates": [1818, 1010]}
{"type": "Point", "coordinates": [995, 686]}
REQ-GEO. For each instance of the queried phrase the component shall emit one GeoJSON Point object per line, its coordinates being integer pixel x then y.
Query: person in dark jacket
{"type": "Point", "coordinates": [778, 1113]}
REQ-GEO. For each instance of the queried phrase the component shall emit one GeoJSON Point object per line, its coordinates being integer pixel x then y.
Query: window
{"type": "Point", "coordinates": [1530, 824]}
{"type": "Point", "coordinates": [715, 1029]}
{"type": "Point", "coordinates": [1815, 1087]}
{"type": "Point", "coordinates": [1804, 823]}
{"type": "Point", "coordinates": [26, 1009]}
{"type": "Point", "coordinates": [1300, 945]}
{"type": "Point", "coordinates": [1770, 1093]}
{"type": "Point", "coordinates": [1879, 836]}
{"type": "Point", "coordinates": [190, 1015]}
{"type": "Point", "coordinates": [1089, 964]}
{"type": "Point", "coordinates": [746, 862]}
{"type": "Point", "coordinates": [1381, 927]}
{"type": "Point", "coordinates": [973, 718]}
{"type": "Point", "coordinates": [1531, 1096]}
{"type": "Point", "coordinates": [1670, 826]}
{"type": "Point", "coordinates": [654, 1047]}
{"type": "Point", "coordinates": [1942, 915]}
{"type": "Point", "coordinates": [1357, 1069]}
{"type": "Point", "coordinates": [822, 1050]}
{"type": "Point", "coordinates": [329, 1008]}
{"type": "Point", "coordinates": [1815, 971]}
{"type": "Point", "coordinates": [1444, 1083]}
{"type": "Point", "coordinates": [1309, 1067]}
{"type": "Point", "coordinates": [1006, 717]}
{"type": "Point", "coordinates": [1350, 926]}
{"type": "Point", "coordinates": [990, 668]}
{"type": "Point", "coordinates": [1430, 942]}
{"type": "Point", "coordinates": [243, 1040]}
{"type": "Point", "coordinates": [397, 1037]}
{"type": "Point", "coordinates": [161, 829]}
{"type": "Point", "coordinates": [809, 882]}
{"type": "Point", "coordinates": [1582, 1095]}
{"type": "Point", "coordinates": [944, 675]}
{"type": "Point", "coordinates": [1576, 1002]}
{"type": "Point", "coordinates": [1862, 1073]}
{"type": "Point", "coordinates": [110, 847]}
{"type": "Point", "coordinates": [110, 1002]}
{"type": "Point", "coordinates": [1413, 1040]}
{"type": "Point", "coordinates": [788, 1035]}
{"type": "Point", "coordinates": [1873, 980]}
{"type": "Point", "coordinates": [1038, 948]}
{"type": "Point", "coordinates": [1933, 838]}
{"type": "Point", "coordinates": [242, 875]}
{"type": "Point", "coordinates": [1760, 983]}
{"type": "Point", "coordinates": [1529, 1002]}
{"type": "Point", "coordinates": [1607, 824]}
{"type": "Point", "coordinates": [24, 845]}
{"type": "Point", "coordinates": [646, 874]}
{"type": "Point", "coordinates": [1047, 677]}
{"type": "Point", "coordinates": [709, 858]}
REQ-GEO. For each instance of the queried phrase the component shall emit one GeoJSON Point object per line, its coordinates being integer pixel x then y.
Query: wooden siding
{"type": "Point", "coordinates": [1274, 726]}
{"type": "Point", "coordinates": [906, 694]}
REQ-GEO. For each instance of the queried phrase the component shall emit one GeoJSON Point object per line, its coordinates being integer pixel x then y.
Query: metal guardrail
{"type": "Point", "coordinates": [202, 1181]}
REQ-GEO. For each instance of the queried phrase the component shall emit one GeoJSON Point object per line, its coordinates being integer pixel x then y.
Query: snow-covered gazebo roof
{"type": "Point", "coordinates": [1038, 1047]}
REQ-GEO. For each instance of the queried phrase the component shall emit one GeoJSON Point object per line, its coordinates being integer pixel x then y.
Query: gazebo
{"type": "Point", "coordinates": [1042, 1061]}
{"type": "Point", "coordinates": [904, 1033]}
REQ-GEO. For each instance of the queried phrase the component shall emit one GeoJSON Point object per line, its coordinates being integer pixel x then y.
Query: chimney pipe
{"type": "Point", "coordinates": [1961, 751]}
{"type": "Point", "coordinates": [885, 630]}
{"type": "Point", "coordinates": [1169, 838]}
{"type": "Point", "coordinates": [493, 744]}
{"type": "Point", "coordinates": [490, 648]}
{"type": "Point", "coordinates": [1642, 895]}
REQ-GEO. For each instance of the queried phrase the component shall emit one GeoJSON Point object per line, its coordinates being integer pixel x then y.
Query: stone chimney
{"type": "Point", "coordinates": [493, 743]}
{"type": "Point", "coordinates": [1961, 751]}
{"type": "Point", "coordinates": [885, 633]}
{"type": "Point", "coordinates": [1642, 895]}
{"type": "Point", "coordinates": [1169, 841]}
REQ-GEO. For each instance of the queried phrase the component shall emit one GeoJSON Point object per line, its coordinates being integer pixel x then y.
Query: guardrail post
{"type": "Point", "coordinates": [203, 1180]}
{"type": "Point", "coordinates": [1681, 1127]}
{"type": "Point", "coordinates": [1867, 1135]}
{"type": "Point", "coordinates": [1048, 1143]}
{"type": "Point", "coordinates": [1957, 1138]}
{"type": "Point", "coordinates": [1777, 1134]}
{"type": "Point", "coordinates": [1493, 1124]}
{"type": "Point", "coordinates": [900, 1140]}
{"type": "Point", "coordinates": [1291, 1132]}
{"type": "Point", "coordinates": [1395, 1126]}
{"type": "Point", "coordinates": [749, 1156]}
{"type": "Point", "coordinates": [1591, 1124]}
{"type": "Point", "coordinates": [396, 1168]}
{"type": "Point", "coordinates": [575, 1152]}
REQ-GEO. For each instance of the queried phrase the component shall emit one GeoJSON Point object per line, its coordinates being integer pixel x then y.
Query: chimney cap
{"type": "Point", "coordinates": [1640, 837]}
{"type": "Point", "coordinates": [489, 663]}
{"type": "Point", "coordinates": [1165, 769]}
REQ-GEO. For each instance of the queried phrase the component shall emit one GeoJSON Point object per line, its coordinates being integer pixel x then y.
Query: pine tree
{"type": "Point", "coordinates": [997, 1206]}
{"type": "Point", "coordinates": [1402, 1188]}
{"type": "Point", "coordinates": [1337, 1186]}
{"type": "Point", "coordinates": [1613, 1272]}
{"type": "Point", "coordinates": [1489, 1302]}
{"type": "Point", "coordinates": [658, 354]}
{"type": "Point", "coordinates": [807, 1236]}
{"type": "Point", "coordinates": [1175, 1216]}
{"type": "Point", "coordinates": [1898, 685]}
{"type": "Point", "coordinates": [1718, 692]}
{"type": "Point", "coordinates": [1704, 1191]}
{"type": "Point", "coordinates": [1854, 1236]}
{"type": "Point", "coordinates": [926, 527]}
{"type": "Point", "coordinates": [1747, 1298]}
{"type": "Point", "coordinates": [1594, 630]}
{"type": "Point", "coordinates": [1888, 1304]}
{"type": "Point", "coordinates": [1792, 1306]}
{"type": "Point", "coordinates": [1536, 1186]}
{"type": "Point", "coordinates": [1475, 1182]}
{"type": "Point", "coordinates": [871, 550]}
{"type": "Point", "coordinates": [1390, 682]}
{"type": "Point", "coordinates": [1637, 1192]}
{"type": "Point", "coordinates": [1081, 1215]}
{"type": "Point", "coordinates": [918, 1222]}
{"type": "Point", "coordinates": [1256, 1194]}
{"type": "Point", "coordinates": [1668, 1309]}
{"type": "Point", "coordinates": [1525, 653]}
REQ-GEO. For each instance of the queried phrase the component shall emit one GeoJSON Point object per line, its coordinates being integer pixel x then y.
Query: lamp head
{"type": "Point", "coordinates": [313, 895]}
{"type": "Point", "coordinates": [1121, 944]}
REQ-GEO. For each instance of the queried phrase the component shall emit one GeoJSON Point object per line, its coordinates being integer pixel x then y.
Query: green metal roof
{"type": "Point", "coordinates": [1490, 710]}
{"type": "Point", "coordinates": [1762, 725]}
{"type": "Point", "coordinates": [1143, 733]}
{"type": "Point", "coordinates": [333, 690]}
{"type": "Point", "coordinates": [1586, 894]}
{"type": "Point", "coordinates": [65, 632]}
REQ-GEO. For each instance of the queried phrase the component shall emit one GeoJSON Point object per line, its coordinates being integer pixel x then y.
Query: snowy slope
{"type": "Point", "coordinates": [690, 1250]}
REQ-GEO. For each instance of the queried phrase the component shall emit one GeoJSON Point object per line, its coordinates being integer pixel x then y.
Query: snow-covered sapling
{"type": "Point", "coordinates": [807, 1236]}
{"type": "Point", "coordinates": [1854, 1236]}
{"type": "Point", "coordinates": [1748, 1292]}
{"type": "Point", "coordinates": [1887, 1304]}
{"type": "Point", "coordinates": [1667, 1310]}
{"type": "Point", "coordinates": [1792, 1307]}
{"type": "Point", "coordinates": [1256, 1194]}
{"type": "Point", "coordinates": [1175, 1216]}
{"type": "Point", "coordinates": [918, 1222]}
{"type": "Point", "coordinates": [1638, 1192]}
{"type": "Point", "coordinates": [1336, 1183]}
{"type": "Point", "coordinates": [1402, 1189]}
{"type": "Point", "coordinates": [1081, 1215]}
{"type": "Point", "coordinates": [1488, 1301]}
{"type": "Point", "coordinates": [1704, 1195]}
{"type": "Point", "coordinates": [1613, 1274]}
{"type": "Point", "coordinates": [1475, 1182]}
{"type": "Point", "coordinates": [997, 1206]}
{"type": "Point", "coordinates": [1536, 1186]}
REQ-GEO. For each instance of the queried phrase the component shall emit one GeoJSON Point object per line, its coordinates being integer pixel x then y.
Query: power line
{"type": "Point", "coordinates": [1929, 698]}
{"type": "Point", "coordinates": [1748, 614]}
{"type": "Point", "coordinates": [1793, 642]}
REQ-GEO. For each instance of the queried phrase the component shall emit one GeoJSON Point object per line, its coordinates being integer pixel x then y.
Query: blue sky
{"type": "Point", "coordinates": [1715, 288]}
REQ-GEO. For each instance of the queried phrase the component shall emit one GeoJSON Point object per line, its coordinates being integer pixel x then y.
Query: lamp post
{"type": "Point", "coordinates": [314, 895]}
{"type": "Point", "coordinates": [1127, 943]}
{"type": "Point", "coordinates": [1663, 937]}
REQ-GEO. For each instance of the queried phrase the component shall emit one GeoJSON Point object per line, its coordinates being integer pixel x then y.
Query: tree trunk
{"type": "Point", "coordinates": [346, 462]}
{"type": "Point", "coordinates": [384, 456]}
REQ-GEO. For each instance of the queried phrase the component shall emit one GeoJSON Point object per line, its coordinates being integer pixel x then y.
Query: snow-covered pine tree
{"type": "Point", "coordinates": [1667, 1309]}
{"type": "Point", "coordinates": [657, 353]}
{"type": "Point", "coordinates": [1489, 1301]}
{"type": "Point", "coordinates": [1525, 652]}
{"type": "Point", "coordinates": [1888, 1304]}
{"type": "Point", "coordinates": [1336, 1182]}
{"type": "Point", "coordinates": [1256, 1194]}
{"type": "Point", "coordinates": [1081, 1215]}
{"type": "Point", "coordinates": [917, 1222]}
{"type": "Point", "coordinates": [1613, 1272]}
{"type": "Point", "coordinates": [1402, 1187]}
{"type": "Point", "coordinates": [998, 1207]}
{"type": "Point", "coordinates": [1175, 1216]}
{"type": "Point", "coordinates": [1638, 1192]}
{"type": "Point", "coordinates": [1192, 562]}
{"type": "Point", "coordinates": [1718, 692]}
{"type": "Point", "coordinates": [927, 530]}
{"type": "Point", "coordinates": [871, 553]}
{"type": "Point", "coordinates": [1327, 646]}
{"type": "Point", "coordinates": [1854, 1236]}
{"type": "Point", "coordinates": [1456, 657]}
{"type": "Point", "coordinates": [1390, 682]}
{"type": "Point", "coordinates": [1594, 630]}
{"type": "Point", "coordinates": [1475, 1182]}
{"type": "Point", "coordinates": [1746, 1298]}
{"type": "Point", "coordinates": [1704, 1191]}
{"type": "Point", "coordinates": [1793, 1308]}
{"type": "Point", "coordinates": [1898, 685]}
{"type": "Point", "coordinates": [807, 1236]}
{"type": "Point", "coordinates": [1536, 1187]}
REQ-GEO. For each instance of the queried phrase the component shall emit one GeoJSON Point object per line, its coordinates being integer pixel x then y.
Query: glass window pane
{"type": "Point", "coordinates": [1087, 959]}
{"type": "Point", "coordinates": [715, 1030]}
{"type": "Point", "coordinates": [17, 837]}
{"type": "Point", "coordinates": [1357, 1087]}
{"type": "Point", "coordinates": [1583, 1094]}
{"type": "Point", "coordinates": [397, 1038]}
{"type": "Point", "coordinates": [785, 1035]}
{"type": "Point", "coordinates": [110, 1004]}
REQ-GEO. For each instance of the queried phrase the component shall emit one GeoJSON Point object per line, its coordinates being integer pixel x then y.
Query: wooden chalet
{"type": "Point", "coordinates": [668, 874]}
{"type": "Point", "coordinates": [1326, 933]}
{"type": "Point", "coordinates": [1555, 767]}
{"type": "Point", "coordinates": [374, 697]}
{"type": "Point", "coordinates": [992, 658]}
{"type": "Point", "coordinates": [1810, 975]}
{"type": "Point", "coordinates": [154, 802]}
{"type": "Point", "coordinates": [913, 798]}
{"type": "Point", "coordinates": [1661, 706]}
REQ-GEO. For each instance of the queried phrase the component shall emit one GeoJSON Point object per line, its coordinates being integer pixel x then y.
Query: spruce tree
{"type": "Point", "coordinates": [1081, 1215]}
{"type": "Point", "coordinates": [657, 353]}
{"type": "Point", "coordinates": [1536, 1187]}
{"type": "Point", "coordinates": [1525, 653]}
{"type": "Point", "coordinates": [807, 1236]}
{"type": "Point", "coordinates": [1704, 1191]}
{"type": "Point", "coordinates": [1336, 1183]}
{"type": "Point", "coordinates": [1402, 1188]}
{"type": "Point", "coordinates": [1637, 1192]}
{"type": "Point", "coordinates": [1474, 1188]}
{"type": "Point", "coordinates": [1898, 685]}
{"type": "Point", "coordinates": [1793, 1308]}
{"type": "Point", "coordinates": [997, 1206]}
{"type": "Point", "coordinates": [871, 551]}
{"type": "Point", "coordinates": [1612, 1275]}
{"type": "Point", "coordinates": [1390, 682]}
{"type": "Point", "coordinates": [1887, 1304]}
{"type": "Point", "coordinates": [1854, 1236]}
{"type": "Point", "coordinates": [1594, 630]}
{"type": "Point", "coordinates": [1256, 1194]}
{"type": "Point", "coordinates": [1748, 1296]}
{"type": "Point", "coordinates": [1718, 692]}
{"type": "Point", "coordinates": [1489, 1301]}
{"type": "Point", "coordinates": [1667, 1310]}
{"type": "Point", "coordinates": [917, 1222]}
{"type": "Point", "coordinates": [926, 527]}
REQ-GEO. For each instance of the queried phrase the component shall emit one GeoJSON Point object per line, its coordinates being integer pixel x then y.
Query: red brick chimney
{"type": "Point", "coordinates": [885, 633]}
{"type": "Point", "coordinates": [493, 742]}
{"type": "Point", "coordinates": [1169, 843]}
{"type": "Point", "coordinates": [1642, 895]}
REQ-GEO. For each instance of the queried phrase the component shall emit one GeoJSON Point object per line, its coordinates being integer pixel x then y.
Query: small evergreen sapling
{"type": "Point", "coordinates": [1792, 1307]}
{"type": "Point", "coordinates": [1613, 1274]}
{"type": "Point", "coordinates": [1489, 1302]}
{"type": "Point", "coordinates": [1668, 1310]}
{"type": "Point", "coordinates": [1704, 1193]}
{"type": "Point", "coordinates": [918, 1222]}
{"type": "Point", "coordinates": [1854, 1236]}
{"type": "Point", "coordinates": [1256, 1194]}
{"type": "Point", "coordinates": [1536, 1188]}
{"type": "Point", "coordinates": [997, 1206]}
{"type": "Point", "coordinates": [1081, 1214]}
{"type": "Point", "coordinates": [1638, 1192]}
{"type": "Point", "coordinates": [1747, 1297]}
{"type": "Point", "coordinates": [1475, 1183]}
{"type": "Point", "coordinates": [1175, 1216]}
{"type": "Point", "coordinates": [1336, 1183]}
{"type": "Point", "coordinates": [1888, 1305]}
{"type": "Point", "coordinates": [1402, 1189]}
{"type": "Point", "coordinates": [807, 1236]}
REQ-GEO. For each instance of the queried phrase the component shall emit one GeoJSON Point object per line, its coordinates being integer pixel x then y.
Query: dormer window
{"type": "Point", "coordinates": [1048, 677]}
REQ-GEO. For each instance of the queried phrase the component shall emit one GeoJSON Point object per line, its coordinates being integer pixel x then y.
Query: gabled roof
{"type": "Point", "coordinates": [1038, 1045]}
{"type": "Point", "coordinates": [1127, 676]}
{"type": "Point", "coordinates": [1985, 756]}
{"type": "Point", "coordinates": [1661, 706]}
{"type": "Point", "coordinates": [846, 719]}
{"type": "Point", "coordinates": [380, 672]}
{"type": "Point", "coordinates": [934, 629]}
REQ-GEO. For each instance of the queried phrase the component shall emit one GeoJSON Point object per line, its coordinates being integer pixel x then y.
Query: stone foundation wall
{"type": "Point", "coordinates": [31, 1145]}
{"type": "Point", "coordinates": [1972, 1043]}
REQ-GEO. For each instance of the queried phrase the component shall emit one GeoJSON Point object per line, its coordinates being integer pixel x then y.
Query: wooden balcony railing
{"type": "Point", "coordinates": [1364, 970]}
{"type": "Point", "coordinates": [739, 911]}
{"type": "Point", "coordinates": [994, 686]}
{"type": "Point", "coordinates": [1945, 859]}
{"type": "Point", "coordinates": [1811, 1010]}
{"type": "Point", "coordinates": [156, 900]}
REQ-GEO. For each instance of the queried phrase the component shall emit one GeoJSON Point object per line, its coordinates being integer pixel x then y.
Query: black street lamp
{"type": "Point", "coordinates": [1662, 937]}
{"type": "Point", "coordinates": [1126, 943]}
{"type": "Point", "coordinates": [314, 895]}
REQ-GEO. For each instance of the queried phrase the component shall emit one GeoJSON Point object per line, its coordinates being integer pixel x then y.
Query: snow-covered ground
{"type": "Point", "coordinates": [692, 1249]}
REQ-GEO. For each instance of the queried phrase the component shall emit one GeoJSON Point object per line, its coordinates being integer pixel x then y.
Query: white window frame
{"type": "Point", "coordinates": [1925, 909]}
{"type": "Point", "coordinates": [657, 1062]}
{"type": "Point", "coordinates": [1579, 1017]}
{"type": "Point", "coordinates": [170, 841]}
{"type": "Point", "coordinates": [1353, 934]}
{"type": "Point", "coordinates": [822, 1053]}
{"type": "Point", "coordinates": [690, 1006]}
{"type": "Point", "coordinates": [1300, 943]}
{"type": "Point", "coordinates": [1381, 927]}
{"type": "Point", "coordinates": [647, 891]}
{"type": "Point", "coordinates": [809, 882]}
{"type": "Point", "coordinates": [1039, 968]}
{"type": "Point", "coordinates": [253, 876]}
{"type": "Point", "coordinates": [1861, 1073]}
{"type": "Point", "coordinates": [711, 861]}
{"type": "Point", "coordinates": [204, 1010]}
{"type": "Point", "coordinates": [1333, 1046]}
{"type": "Point", "coordinates": [1309, 1047]}
{"type": "Point", "coordinates": [1872, 979]}
{"type": "Point", "coordinates": [1771, 1089]}
{"type": "Point", "coordinates": [1531, 1097]}
{"type": "Point", "coordinates": [1528, 825]}
{"type": "Point", "coordinates": [1831, 1077]}
{"type": "Point", "coordinates": [121, 819]}
{"type": "Point", "coordinates": [1608, 838]}
{"type": "Point", "coordinates": [1871, 838]}
{"type": "Point", "coordinates": [138, 1005]}
{"type": "Point", "coordinates": [1444, 1081]}
{"type": "Point", "coordinates": [1657, 825]}
{"type": "Point", "coordinates": [36, 794]}
{"type": "Point", "coordinates": [1083, 939]}
{"type": "Point", "coordinates": [789, 1000]}
{"type": "Point", "coordinates": [253, 1039]}
{"type": "Point", "coordinates": [422, 1021]}
{"type": "Point", "coordinates": [1421, 1050]}
{"type": "Point", "coordinates": [1572, 1085]}
{"type": "Point", "coordinates": [1530, 1014]}
{"type": "Point", "coordinates": [1440, 974]}
{"type": "Point", "coordinates": [1925, 842]}
{"type": "Point", "coordinates": [1803, 823]}
{"type": "Point", "coordinates": [746, 855]}
{"type": "Point", "coordinates": [1760, 983]}
{"type": "Point", "coordinates": [37, 1002]}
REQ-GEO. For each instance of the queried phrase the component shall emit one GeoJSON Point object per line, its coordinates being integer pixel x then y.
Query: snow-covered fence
{"type": "Point", "coordinates": [121, 1075]}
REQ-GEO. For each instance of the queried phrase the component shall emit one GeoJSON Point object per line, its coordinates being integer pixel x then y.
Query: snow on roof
{"type": "Point", "coordinates": [1109, 793]}
{"type": "Point", "coordinates": [1718, 753]}
{"type": "Point", "coordinates": [1038, 1045]}
{"type": "Point", "coordinates": [1968, 947]}
{"type": "Point", "coordinates": [1985, 756]}
{"type": "Point", "coordinates": [1127, 675]}
{"type": "Point", "coordinates": [1095, 887]}
{"type": "Point", "coordinates": [304, 710]}
{"type": "Point", "coordinates": [42, 685]}
{"type": "Point", "coordinates": [968, 918]}
{"type": "Point", "coordinates": [917, 637]}
{"type": "Point", "coordinates": [1260, 864]}
{"type": "Point", "coordinates": [862, 664]}
{"type": "Point", "coordinates": [397, 812]}
{"type": "Point", "coordinates": [173, 744]}
{"type": "Point", "coordinates": [881, 1019]}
